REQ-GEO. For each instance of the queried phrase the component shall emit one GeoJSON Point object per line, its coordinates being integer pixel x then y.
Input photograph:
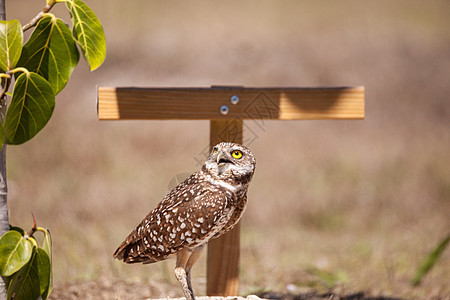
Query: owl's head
{"type": "Point", "coordinates": [231, 161]}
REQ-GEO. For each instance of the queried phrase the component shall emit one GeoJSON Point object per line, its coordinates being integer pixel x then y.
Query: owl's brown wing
{"type": "Point", "coordinates": [186, 218]}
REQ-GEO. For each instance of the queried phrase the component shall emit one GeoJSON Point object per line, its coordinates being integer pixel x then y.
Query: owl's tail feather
{"type": "Point", "coordinates": [129, 252]}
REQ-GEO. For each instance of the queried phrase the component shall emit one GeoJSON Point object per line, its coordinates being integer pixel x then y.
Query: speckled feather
{"type": "Point", "coordinates": [204, 206]}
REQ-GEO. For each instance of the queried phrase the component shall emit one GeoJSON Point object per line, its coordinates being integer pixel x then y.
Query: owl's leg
{"type": "Point", "coordinates": [195, 255]}
{"type": "Point", "coordinates": [183, 276]}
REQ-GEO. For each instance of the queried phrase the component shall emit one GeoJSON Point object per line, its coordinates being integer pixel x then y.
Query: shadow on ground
{"type": "Point", "coordinates": [321, 296]}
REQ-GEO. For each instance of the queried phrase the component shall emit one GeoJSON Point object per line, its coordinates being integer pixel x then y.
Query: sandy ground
{"type": "Point", "coordinates": [109, 290]}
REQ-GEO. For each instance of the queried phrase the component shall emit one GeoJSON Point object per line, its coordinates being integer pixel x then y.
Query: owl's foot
{"type": "Point", "coordinates": [185, 260]}
{"type": "Point", "coordinates": [185, 281]}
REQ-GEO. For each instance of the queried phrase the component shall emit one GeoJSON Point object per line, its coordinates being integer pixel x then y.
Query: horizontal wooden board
{"type": "Point", "coordinates": [254, 103]}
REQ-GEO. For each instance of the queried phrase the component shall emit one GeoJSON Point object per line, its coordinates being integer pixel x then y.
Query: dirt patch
{"type": "Point", "coordinates": [109, 289]}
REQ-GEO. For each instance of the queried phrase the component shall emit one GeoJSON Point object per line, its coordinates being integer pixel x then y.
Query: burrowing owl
{"type": "Point", "coordinates": [206, 205]}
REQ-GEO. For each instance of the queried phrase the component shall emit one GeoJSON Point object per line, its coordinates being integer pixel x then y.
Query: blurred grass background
{"type": "Point", "coordinates": [351, 204]}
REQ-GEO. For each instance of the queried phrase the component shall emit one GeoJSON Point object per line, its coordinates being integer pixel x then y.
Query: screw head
{"type": "Point", "coordinates": [224, 109]}
{"type": "Point", "coordinates": [234, 99]}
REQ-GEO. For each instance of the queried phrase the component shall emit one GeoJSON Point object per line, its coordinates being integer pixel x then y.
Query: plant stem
{"type": "Point", "coordinates": [2, 10]}
{"type": "Point", "coordinates": [6, 82]}
{"type": "Point", "coordinates": [36, 19]}
{"type": "Point", "coordinates": [4, 219]}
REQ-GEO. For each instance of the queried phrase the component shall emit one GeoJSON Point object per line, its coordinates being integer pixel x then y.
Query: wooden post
{"type": "Point", "coordinates": [254, 103]}
{"type": "Point", "coordinates": [223, 252]}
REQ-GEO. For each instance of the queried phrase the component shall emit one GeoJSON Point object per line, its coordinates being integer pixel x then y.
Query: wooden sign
{"type": "Point", "coordinates": [227, 108]}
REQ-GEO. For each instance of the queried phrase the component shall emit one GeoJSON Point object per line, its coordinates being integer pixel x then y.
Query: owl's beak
{"type": "Point", "coordinates": [221, 158]}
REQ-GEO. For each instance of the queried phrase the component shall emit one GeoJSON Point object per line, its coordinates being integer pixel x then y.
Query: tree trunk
{"type": "Point", "coordinates": [4, 220]}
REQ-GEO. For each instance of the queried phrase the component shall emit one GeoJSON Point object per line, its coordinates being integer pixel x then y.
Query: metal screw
{"type": "Point", "coordinates": [224, 109]}
{"type": "Point", "coordinates": [234, 99]}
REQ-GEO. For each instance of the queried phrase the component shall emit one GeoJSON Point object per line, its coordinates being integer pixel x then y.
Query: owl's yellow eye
{"type": "Point", "coordinates": [214, 151]}
{"type": "Point", "coordinates": [236, 154]}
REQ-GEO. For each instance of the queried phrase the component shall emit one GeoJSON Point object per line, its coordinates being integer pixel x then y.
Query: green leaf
{"type": "Point", "coordinates": [31, 107]}
{"type": "Point", "coordinates": [51, 52]}
{"type": "Point", "coordinates": [44, 271]}
{"type": "Point", "coordinates": [430, 261]}
{"type": "Point", "coordinates": [47, 247]}
{"type": "Point", "coordinates": [15, 252]}
{"type": "Point", "coordinates": [24, 284]}
{"type": "Point", "coordinates": [11, 40]}
{"type": "Point", "coordinates": [18, 229]}
{"type": "Point", "coordinates": [88, 32]}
